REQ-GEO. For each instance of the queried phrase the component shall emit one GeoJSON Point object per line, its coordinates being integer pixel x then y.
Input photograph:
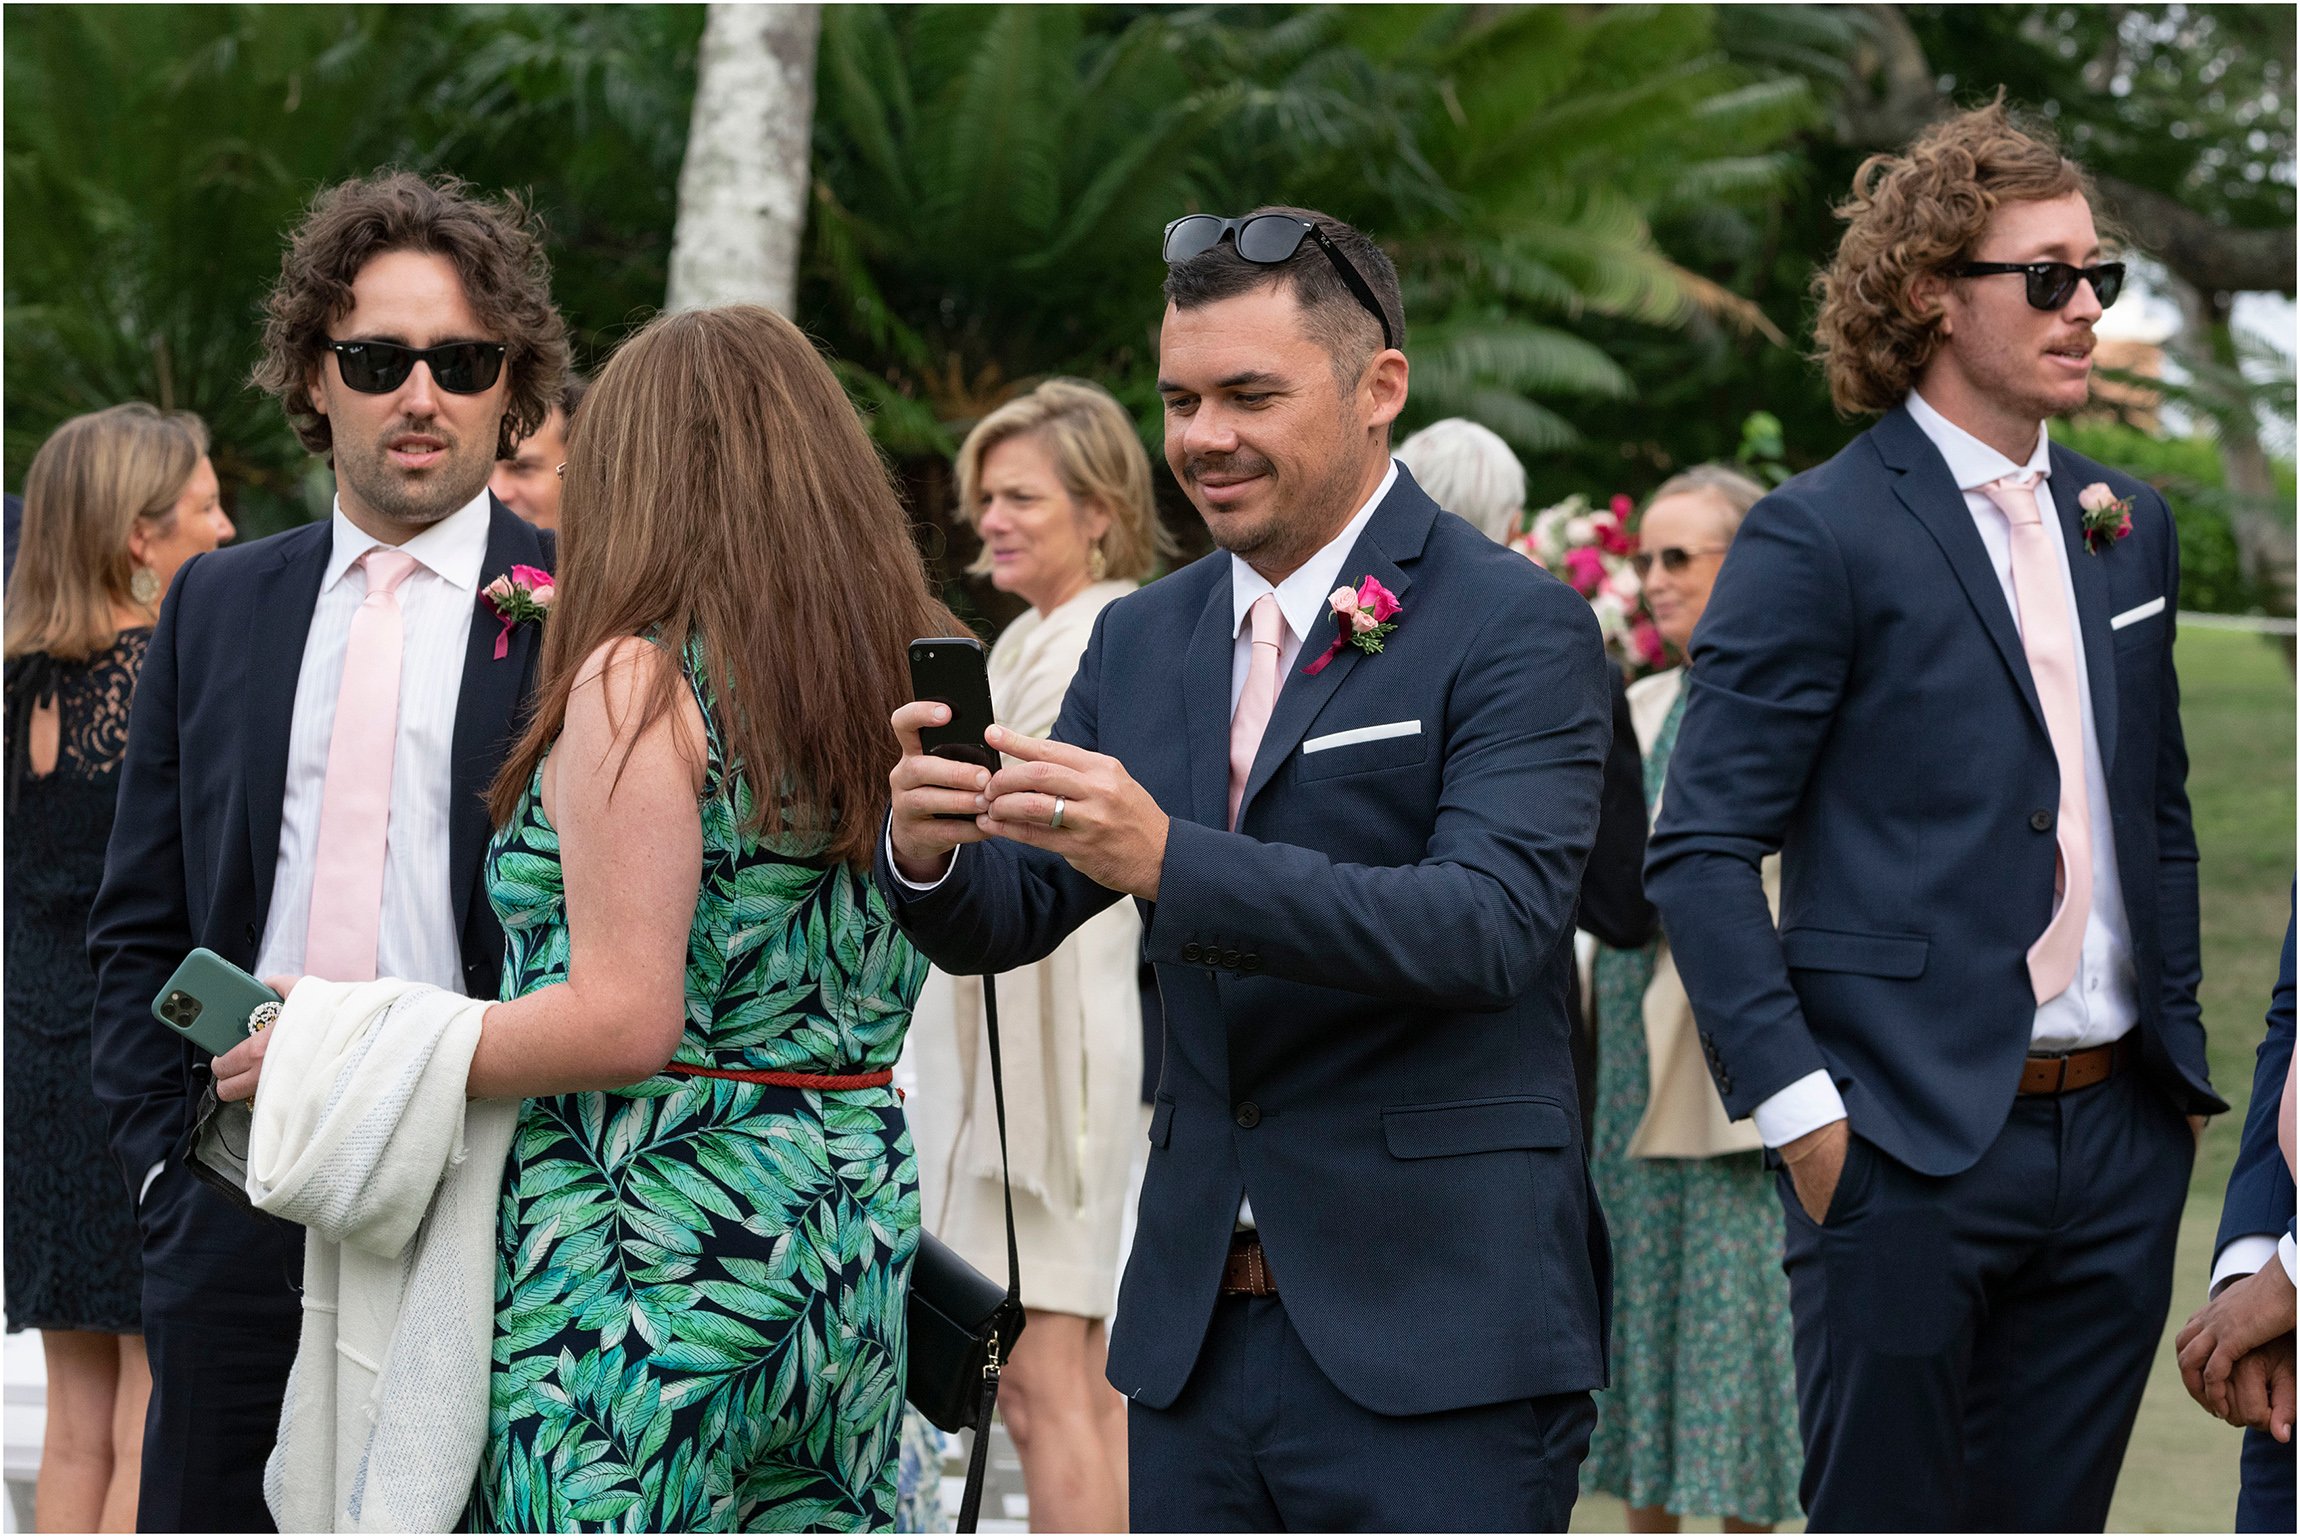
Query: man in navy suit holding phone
{"type": "Point", "coordinates": [318, 720]}
{"type": "Point", "coordinates": [1936, 675]}
{"type": "Point", "coordinates": [1349, 765]}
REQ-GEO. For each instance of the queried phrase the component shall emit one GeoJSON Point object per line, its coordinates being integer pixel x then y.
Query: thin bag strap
{"type": "Point", "coordinates": [978, 1460]}
{"type": "Point", "coordinates": [1005, 1178]}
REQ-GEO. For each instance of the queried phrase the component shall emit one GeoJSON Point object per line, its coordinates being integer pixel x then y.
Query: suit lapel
{"type": "Point", "coordinates": [1206, 704]}
{"type": "Point", "coordinates": [1402, 522]}
{"type": "Point", "coordinates": [279, 623]}
{"type": "Point", "coordinates": [488, 706]}
{"type": "Point", "coordinates": [1925, 487]}
{"type": "Point", "coordinates": [2090, 578]}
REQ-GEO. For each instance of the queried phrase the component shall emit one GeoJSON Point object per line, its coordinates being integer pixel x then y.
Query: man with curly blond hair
{"type": "Point", "coordinates": [318, 718]}
{"type": "Point", "coordinates": [1936, 675]}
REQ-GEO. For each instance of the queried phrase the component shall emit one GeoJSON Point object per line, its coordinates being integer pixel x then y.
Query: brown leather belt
{"type": "Point", "coordinates": [2073, 1070]}
{"type": "Point", "coordinates": [1246, 1273]}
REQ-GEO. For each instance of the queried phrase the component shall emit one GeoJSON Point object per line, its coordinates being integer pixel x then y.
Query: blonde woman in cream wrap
{"type": "Point", "coordinates": [1058, 485]}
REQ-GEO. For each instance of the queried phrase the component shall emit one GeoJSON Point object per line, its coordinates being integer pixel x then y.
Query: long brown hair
{"type": "Point", "coordinates": [1920, 211]}
{"type": "Point", "coordinates": [89, 484]}
{"type": "Point", "coordinates": [723, 486]}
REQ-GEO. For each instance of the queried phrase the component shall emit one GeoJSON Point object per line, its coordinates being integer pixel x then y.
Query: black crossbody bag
{"type": "Point", "coordinates": [962, 1326]}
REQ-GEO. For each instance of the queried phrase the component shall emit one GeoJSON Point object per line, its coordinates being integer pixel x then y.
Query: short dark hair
{"type": "Point", "coordinates": [1333, 314]}
{"type": "Point", "coordinates": [496, 247]}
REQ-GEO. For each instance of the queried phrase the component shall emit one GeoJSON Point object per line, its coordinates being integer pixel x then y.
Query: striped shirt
{"type": "Point", "coordinates": [417, 938]}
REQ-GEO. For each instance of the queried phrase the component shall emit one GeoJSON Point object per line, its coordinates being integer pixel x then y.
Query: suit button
{"type": "Point", "coordinates": [1249, 1115]}
{"type": "Point", "coordinates": [1230, 959]}
{"type": "Point", "coordinates": [1250, 962]}
{"type": "Point", "coordinates": [2041, 821]}
{"type": "Point", "coordinates": [251, 933]}
{"type": "Point", "coordinates": [1190, 953]}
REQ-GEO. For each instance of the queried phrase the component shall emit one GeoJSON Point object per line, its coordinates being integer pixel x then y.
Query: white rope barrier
{"type": "Point", "coordinates": [2255, 624]}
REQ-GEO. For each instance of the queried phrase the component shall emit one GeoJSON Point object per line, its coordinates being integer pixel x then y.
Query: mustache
{"type": "Point", "coordinates": [415, 429]}
{"type": "Point", "coordinates": [1243, 462]}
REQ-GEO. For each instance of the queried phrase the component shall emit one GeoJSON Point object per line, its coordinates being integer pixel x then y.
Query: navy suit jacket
{"type": "Point", "coordinates": [1860, 702]}
{"type": "Point", "coordinates": [1365, 986]}
{"type": "Point", "coordinates": [196, 839]}
{"type": "Point", "coordinates": [2260, 1192]}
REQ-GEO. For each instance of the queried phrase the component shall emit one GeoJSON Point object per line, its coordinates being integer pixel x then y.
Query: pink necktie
{"type": "Point", "coordinates": [1258, 698]}
{"type": "Point", "coordinates": [2051, 647]}
{"type": "Point", "coordinates": [355, 803]}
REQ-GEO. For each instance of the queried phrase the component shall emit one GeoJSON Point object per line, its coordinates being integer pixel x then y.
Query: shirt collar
{"type": "Point", "coordinates": [1973, 463]}
{"type": "Point", "coordinates": [453, 549]}
{"type": "Point", "coordinates": [1302, 596]}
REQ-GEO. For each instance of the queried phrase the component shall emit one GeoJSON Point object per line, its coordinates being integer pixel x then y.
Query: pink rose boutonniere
{"type": "Point", "coordinates": [522, 597]}
{"type": "Point", "coordinates": [1361, 618]}
{"type": "Point", "coordinates": [2107, 516]}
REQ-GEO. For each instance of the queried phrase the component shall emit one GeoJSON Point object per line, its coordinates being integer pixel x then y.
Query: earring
{"type": "Point", "coordinates": [144, 587]}
{"type": "Point", "coordinates": [1097, 564]}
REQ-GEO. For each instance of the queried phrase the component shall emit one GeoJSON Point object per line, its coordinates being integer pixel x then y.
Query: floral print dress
{"type": "Point", "coordinates": [700, 1282]}
{"type": "Point", "coordinates": [1701, 1418]}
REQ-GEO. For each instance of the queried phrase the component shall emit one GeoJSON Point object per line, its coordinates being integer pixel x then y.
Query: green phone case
{"type": "Point", "coordinates": [208, 1002]}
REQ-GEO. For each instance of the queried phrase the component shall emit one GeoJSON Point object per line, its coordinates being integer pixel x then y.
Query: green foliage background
{"type": "Point", "coordinates": [1606, 217]}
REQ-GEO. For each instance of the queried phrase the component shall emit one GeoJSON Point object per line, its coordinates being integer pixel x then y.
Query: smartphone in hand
{"type": "Point", "coordinates": [208, 1002]}
{"type": "Point", "coordinates": [954, 670]}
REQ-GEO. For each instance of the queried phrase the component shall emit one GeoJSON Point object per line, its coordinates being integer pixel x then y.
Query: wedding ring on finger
{"type": "Point", "coordinates": [263, 1017]}
{"type": "Point", "coordinates": [1059, 804]}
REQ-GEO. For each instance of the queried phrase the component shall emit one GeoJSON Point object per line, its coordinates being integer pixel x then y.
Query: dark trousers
{"type": "Point", "coordinates": [1261, 1441]}
{"type": "Point", "coordinates": [1971, 1349]}
{"type": "Point", "coordinates": [2265, 1501]}
{"type": "Point", "coordinates": [220, 1330]}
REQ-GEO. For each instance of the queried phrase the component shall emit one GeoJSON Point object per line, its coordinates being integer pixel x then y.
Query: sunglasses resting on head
{"type": "Point", "coordinates": [1267, 240]}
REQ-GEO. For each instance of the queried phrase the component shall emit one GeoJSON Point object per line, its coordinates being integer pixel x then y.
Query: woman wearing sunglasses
{"type": "Point", "coordinates": [1701, 1418]}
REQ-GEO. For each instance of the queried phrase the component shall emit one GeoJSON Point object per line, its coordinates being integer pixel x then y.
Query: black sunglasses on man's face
{"type": "Point", "coordinates": [378, 368]}
{"type": "Point", "coordinates": [1266, 240]}
{"type": "Point", "coordinates": [2052, 284]}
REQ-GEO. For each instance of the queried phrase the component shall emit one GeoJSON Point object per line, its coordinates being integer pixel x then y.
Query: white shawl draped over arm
{"type": "Point", "coordinates": [361, 1133]}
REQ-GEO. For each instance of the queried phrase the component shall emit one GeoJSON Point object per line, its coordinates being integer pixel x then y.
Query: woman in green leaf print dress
{"type": "Point", "coordinates": [711, 1206]}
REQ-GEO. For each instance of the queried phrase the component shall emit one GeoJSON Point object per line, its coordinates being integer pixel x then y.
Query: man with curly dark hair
{"type": "Point", "coordinates": [318, 719]}
{"type": "Point", "coordinates": [1936, 675]}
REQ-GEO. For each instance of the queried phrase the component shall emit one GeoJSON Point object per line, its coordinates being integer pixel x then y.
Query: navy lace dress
{"type": "Point", "coordinates": [71, 1257]}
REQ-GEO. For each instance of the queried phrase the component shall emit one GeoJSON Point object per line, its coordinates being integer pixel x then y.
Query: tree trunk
{"type": "Point", "coordinates": [743, 186]}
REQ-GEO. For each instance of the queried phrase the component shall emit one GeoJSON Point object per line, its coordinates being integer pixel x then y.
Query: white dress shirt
{"type": "Point", "coordinates": [416, 939]}
{"type": "Point", "coordinates": [2250, 1253]}
{"type": "Point", "coordinates": [2102, 1003]}
{"type": "Point", "coordinates": [1301, 597]}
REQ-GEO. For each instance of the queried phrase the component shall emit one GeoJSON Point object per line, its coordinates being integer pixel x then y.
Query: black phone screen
{"type": "Point", "coordinates": [954, 670]}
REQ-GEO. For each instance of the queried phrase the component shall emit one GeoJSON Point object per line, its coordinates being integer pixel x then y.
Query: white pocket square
{"type": "Point", "coordinates": [1357, 734]}
{"type": "Point", "coordinates": [2148, 610]}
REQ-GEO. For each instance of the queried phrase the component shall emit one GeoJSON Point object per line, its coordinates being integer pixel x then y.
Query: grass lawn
{"type": "Point", "coordinates": [2237, 708]}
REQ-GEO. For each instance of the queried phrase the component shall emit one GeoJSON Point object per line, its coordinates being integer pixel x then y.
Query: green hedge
{"type": "Point", "coordinates": [2194, 481]}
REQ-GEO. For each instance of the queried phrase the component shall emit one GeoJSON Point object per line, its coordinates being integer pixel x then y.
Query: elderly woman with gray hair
{"type": "Point", "coordinates": [1701, 1418]}
{"type": "Point", "coordinates": [1468, 469]}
